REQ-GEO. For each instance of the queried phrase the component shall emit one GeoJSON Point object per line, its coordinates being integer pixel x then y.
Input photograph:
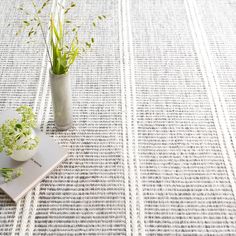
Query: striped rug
{"type": "Point", "coordinates": [152, 150]}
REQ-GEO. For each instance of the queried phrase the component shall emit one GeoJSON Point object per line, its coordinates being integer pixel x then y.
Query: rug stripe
{"type": "Point", "coordinates": [129, 125]}
{"type": "Point", "coordinates": [217, 95]}
{"type": "Point", "coordinates": [224, 139]}
{"type": "Point", "coordinates": [216, 84]}
{"type": "Point", "coordinates": [18, 208]}
{"type": "Point", "coordinates": [126, 171]}
{"type": "Point", "coordinates": [140, 188]}
{"type": "Point", "coordinates": [40, 80]}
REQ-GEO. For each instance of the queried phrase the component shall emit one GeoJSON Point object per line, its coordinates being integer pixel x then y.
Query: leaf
{"type": "Point", "coordinates": [88, 44]}
{"type": "Point", "coordinates": [18, 126]}
{"type": "Point", "coordinates": [92, 40]}
{"type": "Point", "coordinates": [55, 55]}
{"type": "Point", "coordinates": [77, 39]}
{"type": "Point", "coordinates": [34, 4]}
{"type": "Point", "coordinates": [67, 21]}
{"type": "Point", "coordinates": [61, 30]}
{"type": "Point", "coordinates": [30, 33]}
{"type": "Point", "coordinates": [61, 5]}
{"type": "Point", "coordinates": [99, 17]}
{"type": "Point", "coordinates": [94, 24]}
{"type": "Point", "coordinates": [73, 54]}
{"type": "Point", "coordinates": [26, 23]}
{"type": "Point", "coordinates": [54, 30]}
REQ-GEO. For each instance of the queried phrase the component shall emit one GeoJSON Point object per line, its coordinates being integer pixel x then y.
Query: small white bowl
{"type": "Point", "coordinates": [24, 154]}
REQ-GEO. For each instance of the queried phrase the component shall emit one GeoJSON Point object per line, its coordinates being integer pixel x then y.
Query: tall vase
{"type": "Point", "coordinates": [62, 100]}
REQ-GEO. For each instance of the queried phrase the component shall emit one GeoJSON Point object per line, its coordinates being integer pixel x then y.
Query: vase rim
{"type": "Point", "coordinates": [58, 75]}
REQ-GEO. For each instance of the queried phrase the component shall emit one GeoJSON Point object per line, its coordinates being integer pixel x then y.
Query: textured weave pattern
{"type": "Point", "coordinates": [220, 29]}
{"type": "Point", "coordinates": [186, 187]}
{"type": "Point", "coordinates": [152, 150]}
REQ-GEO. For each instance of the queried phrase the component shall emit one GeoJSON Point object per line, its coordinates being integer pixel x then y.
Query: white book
{"type": "Point", "coordinates": [47, 158]}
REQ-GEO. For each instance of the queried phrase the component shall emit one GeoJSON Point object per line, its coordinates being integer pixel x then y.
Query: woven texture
{"type": "Point", "coordinates": [152, 149]}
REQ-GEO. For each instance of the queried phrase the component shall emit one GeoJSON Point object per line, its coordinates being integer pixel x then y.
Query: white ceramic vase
{"type": "Point", "coordinates": [62, 100]}
{"type": "Point", "coordinates": [24, 154]}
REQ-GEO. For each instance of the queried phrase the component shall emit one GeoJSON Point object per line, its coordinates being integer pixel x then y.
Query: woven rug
{"type": "Point", "coordinates": [152, 149]}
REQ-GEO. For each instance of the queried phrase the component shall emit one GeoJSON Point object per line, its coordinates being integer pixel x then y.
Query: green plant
{"type": "Point", "coordinates": [64, 46]}
{"type": "Point", "coordinates": [14, 130]}
{"type": "Point", "coordinates": [10, 173]}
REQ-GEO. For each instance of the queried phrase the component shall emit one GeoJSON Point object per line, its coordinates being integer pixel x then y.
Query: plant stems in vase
{"type": "Point", "coordinates": [62, 50]}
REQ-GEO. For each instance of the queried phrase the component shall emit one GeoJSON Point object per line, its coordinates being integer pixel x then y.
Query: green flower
{"type": "Point", "coordinates": [11, 132]}
{"type": "Point", "coordinates": [10, 173]}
